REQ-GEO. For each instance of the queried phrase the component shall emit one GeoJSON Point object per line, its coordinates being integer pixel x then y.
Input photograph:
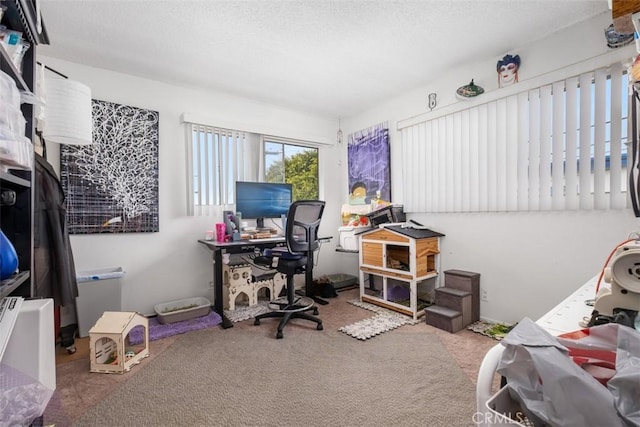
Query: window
{"type": "Point", "coordinates": [217, 158]}
{"type": "Point", "coordinates": [524, 152]}
{"type": "Point", "coordinates": [292, 164]}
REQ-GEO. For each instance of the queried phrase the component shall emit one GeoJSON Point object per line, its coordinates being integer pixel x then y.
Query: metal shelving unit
{"type": "Point", "coordinates": [16, 221]}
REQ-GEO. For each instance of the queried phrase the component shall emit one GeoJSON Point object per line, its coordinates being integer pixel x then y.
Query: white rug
{"type": "Point", "coordinates": [244, 312]}
{"type": "Point", "coordinates": [385, 320]}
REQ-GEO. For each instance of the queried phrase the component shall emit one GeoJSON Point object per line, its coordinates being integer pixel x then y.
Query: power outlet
{"type": "Point", "coordinates": [484, 295]}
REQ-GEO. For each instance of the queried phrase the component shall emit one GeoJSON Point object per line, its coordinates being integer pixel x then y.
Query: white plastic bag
{"type": "Point", "coordinates": [550, 387]}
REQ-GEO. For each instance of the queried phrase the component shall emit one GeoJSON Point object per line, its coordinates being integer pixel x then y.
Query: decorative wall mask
{"type": "Point", "coordinates": [507, 69]}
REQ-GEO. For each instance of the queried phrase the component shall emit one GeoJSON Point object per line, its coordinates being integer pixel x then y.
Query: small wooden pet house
{"type": "Point", "coordinates": [109, 346]}
{"type": "Point", "coordinates": [398, 262]}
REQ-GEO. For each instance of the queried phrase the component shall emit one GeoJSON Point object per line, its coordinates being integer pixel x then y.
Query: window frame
{"type": "Point", "coordinates": [287, 142]}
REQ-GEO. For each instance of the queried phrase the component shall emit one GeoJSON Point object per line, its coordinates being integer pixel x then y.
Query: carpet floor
{"type": "Point", "coordinates": [413, 375]}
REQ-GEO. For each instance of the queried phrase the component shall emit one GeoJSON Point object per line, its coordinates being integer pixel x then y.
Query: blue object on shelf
{"type": "Point", "coordinates": [8, 257]}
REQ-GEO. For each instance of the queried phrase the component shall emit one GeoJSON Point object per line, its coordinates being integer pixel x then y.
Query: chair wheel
{"type": "Point", "coordinates": [256, 322]}
{"type": "Point", "coordinates": [315, 311]}
{"type": "Point", "coordinates": [319, 327]}
{"type": "Point", "coordinates": [279, 335]}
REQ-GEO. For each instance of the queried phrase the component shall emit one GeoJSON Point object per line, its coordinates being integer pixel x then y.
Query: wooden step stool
{"type": "Point", "coordinates": [443, 318]}
{"type": "Point", "coordinates": [466, 281]}
{"type": "Point", "coordinates": [108, 345]}
{"type": "Point", "coordinates": [457, 300]}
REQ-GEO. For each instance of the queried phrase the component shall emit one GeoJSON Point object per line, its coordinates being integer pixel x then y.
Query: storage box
{"type": "Point", "coordinates": [388, 214]}
{"type": "Point", "coordinates": [349, 237]}
{"type": "Point", "coordinates": [503, 410]}
{"type": "Point", "coordinates": [184, 309]}
{"type": "Point", "coordinates": [31, 345]}
{"type": "Point", "coordinates": [340, 280]}
{"type": "Point", "coordinates": [98, 291]}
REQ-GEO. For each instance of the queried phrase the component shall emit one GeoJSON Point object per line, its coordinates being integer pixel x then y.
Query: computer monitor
{"type": "Point", "coordinates": [260, 200]}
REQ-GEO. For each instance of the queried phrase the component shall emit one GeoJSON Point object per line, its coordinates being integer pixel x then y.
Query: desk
{"type": "Point", "coordinates": [564, 317]}
{"type": "Point", "coordinates": [237, 247]}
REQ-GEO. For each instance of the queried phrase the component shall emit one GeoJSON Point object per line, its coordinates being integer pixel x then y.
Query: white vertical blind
{"type": "Point", "coordinates": [523, 153]}
{"type": "Point", "coordinates": [571, 162]}
{"type": "Point", "coordinates": [557, 147]}
{"type": "Point", "coordinates": [483, 159]}
{"type": "Point", "coordinates": [511, 177]}
{"type": "Point", "coordinates": [216, 158]}
{"type": "Point", "coordinates": [616, 200]}
{"type": "Point", "coordinates": [584, 162]}
{"type": "Point", "coordinates": [545, 147]}
{"type": "Point", "coordinates": [534, 150]}
{"type": "Point", "coordinates": [600, 198]}
{"type": "Point", "coordinates": [557, 144]}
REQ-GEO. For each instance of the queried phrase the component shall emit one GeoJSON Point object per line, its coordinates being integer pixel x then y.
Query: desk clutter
{"type": "Point", "coordinates": [248, 235]}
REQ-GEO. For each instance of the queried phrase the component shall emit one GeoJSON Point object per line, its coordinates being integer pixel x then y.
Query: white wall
{"type": "Point", "coordinates": [528, 261]}
{"type": "Point", "coordinates": [170, 264]}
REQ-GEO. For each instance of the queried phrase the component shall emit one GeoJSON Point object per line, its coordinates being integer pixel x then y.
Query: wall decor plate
{"type": "Point", "coordinates": [469, 91]}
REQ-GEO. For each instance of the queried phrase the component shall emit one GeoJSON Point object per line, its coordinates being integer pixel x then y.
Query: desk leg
{"type": "Point", "coordinates": [308, 282]}
{"type": "Point", "coordinates": [217, 288]}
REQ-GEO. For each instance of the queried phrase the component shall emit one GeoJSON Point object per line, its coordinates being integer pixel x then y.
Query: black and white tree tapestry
{"type": "Point", "coordinates": [112, 184]}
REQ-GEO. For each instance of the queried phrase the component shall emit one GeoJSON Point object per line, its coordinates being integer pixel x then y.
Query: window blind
{"type": "Point", "coordinates": [215, 161]}
{"type": "Point", "coordinates": [560, 146]}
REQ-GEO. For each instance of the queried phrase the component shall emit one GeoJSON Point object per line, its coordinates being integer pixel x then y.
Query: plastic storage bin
{"type": "Point", "coordinates": [340, 281]}
{"type": "Point", "coordinates": [503, 410]}
{"type": "Point", "coordinates": [349, 237]}
{"type": "Point", "coordinates": [181, 310]}
{"type": "Point", "coordinates": [98, 291]}
{"type": "Point", "coordinates": [28, 367]}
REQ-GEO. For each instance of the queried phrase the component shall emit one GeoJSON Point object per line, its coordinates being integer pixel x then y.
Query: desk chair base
{"type": "Point", "coordinates": [286, 310]}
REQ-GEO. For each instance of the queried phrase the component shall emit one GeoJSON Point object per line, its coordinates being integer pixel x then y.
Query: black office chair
{"type": "Point", "coordinates": [301, 235]}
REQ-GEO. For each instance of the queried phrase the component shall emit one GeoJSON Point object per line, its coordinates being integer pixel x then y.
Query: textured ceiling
{"type": "Point", "coordinates": [332, 57]}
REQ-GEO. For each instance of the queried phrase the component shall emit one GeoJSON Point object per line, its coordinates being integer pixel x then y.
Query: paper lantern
{"type": "Point", "coordinates": [67, 112]}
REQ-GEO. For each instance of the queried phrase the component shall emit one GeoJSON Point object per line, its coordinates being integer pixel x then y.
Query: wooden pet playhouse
{"type": "Point", "coordinates": [109, 349]}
